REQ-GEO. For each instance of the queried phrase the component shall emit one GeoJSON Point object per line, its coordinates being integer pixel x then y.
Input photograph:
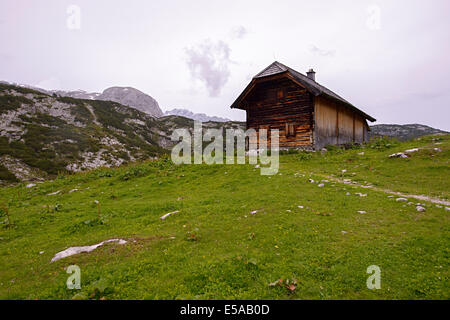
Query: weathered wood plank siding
{"type": "Point", "coordinates": [326, 120]}
{"type": "Point", "coordinates": [336, 124]}
{"type": "Point", "coordinates": [284, 105]}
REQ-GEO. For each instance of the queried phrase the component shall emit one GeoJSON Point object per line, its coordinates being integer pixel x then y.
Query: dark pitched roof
{"type": "Point", "coordinates": [312, 86]}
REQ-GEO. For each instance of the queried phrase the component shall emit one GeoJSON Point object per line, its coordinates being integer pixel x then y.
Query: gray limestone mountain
{"type": "Point", "coordinates": [134, 98]}
{"type": "Point", "coordinates": [195, 116]}
{"type": "Point", "coordinates": [126, 96]}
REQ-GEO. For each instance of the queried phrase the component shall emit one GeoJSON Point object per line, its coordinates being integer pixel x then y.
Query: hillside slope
{"type": "Point", "coordinates": [236, 233]}
{"type": "Point", "coordinates": [42, 135]}
{"type": "Point", "coordinates": [45, 134]}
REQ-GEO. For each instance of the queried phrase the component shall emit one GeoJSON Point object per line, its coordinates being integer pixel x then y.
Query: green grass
{"type": "Point", "coordinates": [219, 249]}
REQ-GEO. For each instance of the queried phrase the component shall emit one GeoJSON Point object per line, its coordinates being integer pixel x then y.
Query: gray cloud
{"type": "Point", "coordinates": [238, 32]}
{"type": "Point", "coordinates": [209, 63]}
{"type": "Point", "coordinates": [322, 52]}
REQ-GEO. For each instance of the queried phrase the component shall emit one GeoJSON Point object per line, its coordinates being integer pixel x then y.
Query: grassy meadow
{"type": "Point", "coordinates": [318, 240]}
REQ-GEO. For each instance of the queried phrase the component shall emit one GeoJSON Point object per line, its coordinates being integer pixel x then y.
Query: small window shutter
{"type": "Point", "coordinates": [290, 129]}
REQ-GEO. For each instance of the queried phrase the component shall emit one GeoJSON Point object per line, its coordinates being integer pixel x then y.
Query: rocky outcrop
{"type": "Point", "coordinates": [403, 132]}
{"type": "Point", "coordinates": [134, 98]}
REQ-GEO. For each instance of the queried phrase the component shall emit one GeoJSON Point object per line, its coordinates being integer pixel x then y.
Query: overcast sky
{"type": "Point", "coordinates": [389, 58]}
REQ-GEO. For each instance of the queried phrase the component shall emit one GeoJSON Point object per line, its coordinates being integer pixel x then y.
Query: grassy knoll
{"type": "Point", "coordinates": [215, 248]}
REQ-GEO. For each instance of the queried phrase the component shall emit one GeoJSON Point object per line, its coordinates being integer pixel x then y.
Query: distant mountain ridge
{"type": "Point", "coordinates": [195, 116]}
{"type": "Point", "coordinates": [126, 96]}
{"type": "Point", "coordinates": [130, 97]}
{"type": "Point", "coordinates": [403, 132]}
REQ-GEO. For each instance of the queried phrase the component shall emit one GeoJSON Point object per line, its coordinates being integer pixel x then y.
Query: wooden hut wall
{"type": "Point", "coordinates": [284, 105]}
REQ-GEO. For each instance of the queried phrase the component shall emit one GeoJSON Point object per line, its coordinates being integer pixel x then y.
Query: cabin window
{"type": "Point", "coordinates": [290, 130]}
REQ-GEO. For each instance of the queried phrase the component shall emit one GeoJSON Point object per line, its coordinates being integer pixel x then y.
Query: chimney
{"type": "Point", "coordinates": [311, 74]}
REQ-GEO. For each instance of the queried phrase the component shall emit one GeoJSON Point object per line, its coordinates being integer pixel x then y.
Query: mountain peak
{"type": "Point", "coordinates": [132, 97]}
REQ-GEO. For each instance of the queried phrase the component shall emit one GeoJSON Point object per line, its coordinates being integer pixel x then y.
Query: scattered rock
{"type": "Point", "coordinates": [405, 154]}
{"type": "Point", "coordinates": [76, 250]}
{"type": "Point", "coordinates": [168, 214]}
{"type": "Point", "coordinates": [420, 209]}
{"type": "Point", "coordinates": [361, 194]}
{"type": "Point", "coordinates": [301, 207]}
{"type": "Point", "coordinates": [73, 190]}
{"type": "Point", "coordinates": [401, 200]}
{"type": "Point", "coordinates": [362, 212]}
{"type": "Point", "coordinates": [311, 180]}
{"type": "Point", "coordinates": [54, 193]}
{"type": "Point", "coordinates": [348, 193]}
{"type": "Point", "coordinates": [30, 185]}
{"type": "Point", "coordinates": [321, 185]}
{"type": "Point", "coordinates": [399, 155]}
{"type": "Point", "coordinates": [438, 206]}
{"type": "Point", "coordinates": [447, 209]}
{"type": "Point", "coordinates": [344, 232]}
{"type": "Point", "coordinates": [254, 212]}
{"type": "Point", "coordinates": [361, 154]}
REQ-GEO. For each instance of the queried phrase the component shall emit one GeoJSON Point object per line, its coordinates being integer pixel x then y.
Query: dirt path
{"type": "Point", "coordinates": [387, 191]}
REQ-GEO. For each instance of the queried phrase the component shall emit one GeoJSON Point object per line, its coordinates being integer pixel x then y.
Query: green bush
{"type": "Point", "coordinates": [383, 143]}
{"type": "Point", "coordinates": [9, 102]}
{"type": "Point", "coordinates": [5, 175]}
{"type": "Point", "coordinates": [305, 155]}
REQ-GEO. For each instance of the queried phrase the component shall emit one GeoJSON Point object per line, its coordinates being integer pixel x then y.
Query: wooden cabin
{"type": "Point", "coordinates": [307, 115]}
